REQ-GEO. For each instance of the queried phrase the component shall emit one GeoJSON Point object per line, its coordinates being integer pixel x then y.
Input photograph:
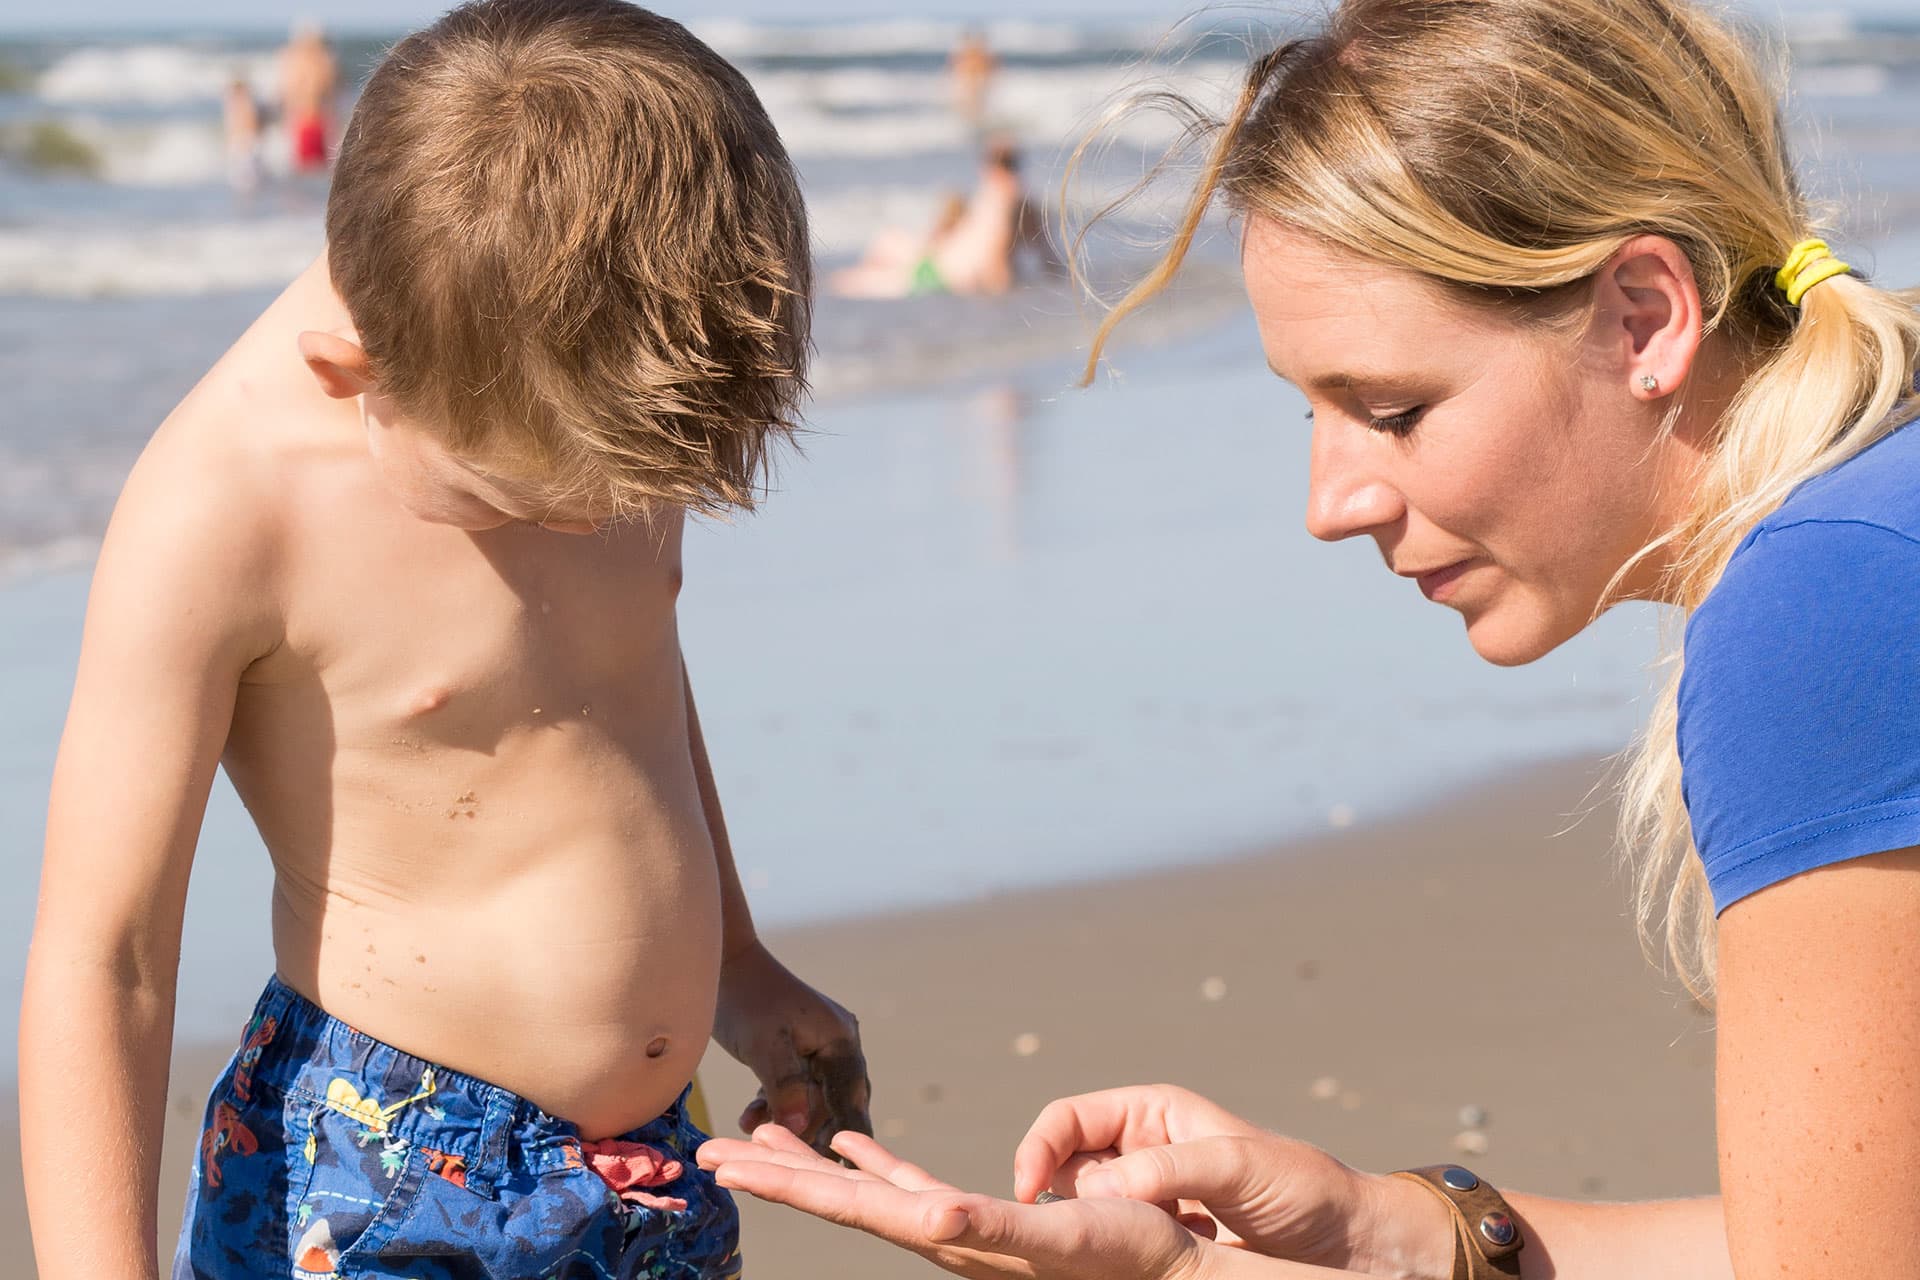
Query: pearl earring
{"type": "Point", "coordinates": [1649, 383]}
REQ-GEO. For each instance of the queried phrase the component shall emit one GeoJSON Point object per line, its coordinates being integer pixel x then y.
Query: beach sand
{"type": "Point", "coordinates": [1467, 956]}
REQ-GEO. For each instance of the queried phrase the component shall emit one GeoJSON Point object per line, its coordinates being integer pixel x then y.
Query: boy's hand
{"type": "Point", "coordinates": [804, 1048]}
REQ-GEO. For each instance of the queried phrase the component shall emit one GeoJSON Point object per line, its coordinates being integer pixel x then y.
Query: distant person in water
{"type": "Point", "coordinates": [969, 250]}
{"type": "Point", "coordinates": [309, 81]}
{"type": "Point", "coordinates": [240, 115]}
{"type": "Point", "coordinates": [972, 66]}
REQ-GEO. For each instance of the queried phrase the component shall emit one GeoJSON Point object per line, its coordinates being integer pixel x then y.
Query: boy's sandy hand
{"type": "Point", "coordinates": [804, 1048]}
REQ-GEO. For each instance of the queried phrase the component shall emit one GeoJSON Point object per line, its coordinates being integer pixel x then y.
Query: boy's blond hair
{"type": "Point", "coordinates": [571, 241]}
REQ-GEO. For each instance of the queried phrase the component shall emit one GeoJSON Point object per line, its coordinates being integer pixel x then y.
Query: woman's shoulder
{"type": "Point", "coordinates": [1879, 487]}
{"type": "Point", "coordinates": [1799, 727]}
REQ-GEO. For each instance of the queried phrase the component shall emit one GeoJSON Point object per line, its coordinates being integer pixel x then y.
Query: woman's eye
{"type": "Point", "coordinates": [1398, 424]}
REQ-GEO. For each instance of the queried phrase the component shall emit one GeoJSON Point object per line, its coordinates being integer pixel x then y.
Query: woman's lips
{"type": "Point", "coordinates": [1437, 584]}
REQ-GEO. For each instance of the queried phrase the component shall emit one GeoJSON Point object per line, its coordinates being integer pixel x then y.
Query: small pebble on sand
{"type": "Point", "coordinates": [1213, 990]}
{"type": "Point", "coordinates": [1325, 1089]}
{"type": "Point", "coordinates": [1341, 815]}
{"type": "Point", "coordinates": [1350, 1101]}
{"type": "Point", "coordinates": [1473, 1117]}
{"type": "Point", "coordinates": [1470, 1142]}
{"type": "Point", "coordinates": [1026, 1044]}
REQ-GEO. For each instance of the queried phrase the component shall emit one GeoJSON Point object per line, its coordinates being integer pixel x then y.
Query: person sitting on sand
{"type": "Point", "coordinates": [309, 81]}
{"type": "Point", "coordinates": [1570, 336]}
{"type": "Point", "coordinates": [969, 249]}
{"type": "Point", "coordinates": [406, 563]}
{"type": "Point", "coordinates": [898, 263]}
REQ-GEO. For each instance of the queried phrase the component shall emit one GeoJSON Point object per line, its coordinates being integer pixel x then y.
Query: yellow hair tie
{"type": "Point", "coordinates": [1810, 263]}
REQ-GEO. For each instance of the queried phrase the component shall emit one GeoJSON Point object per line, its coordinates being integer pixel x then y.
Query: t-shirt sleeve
{"type": "Point", "coordinates": [1799, 727]}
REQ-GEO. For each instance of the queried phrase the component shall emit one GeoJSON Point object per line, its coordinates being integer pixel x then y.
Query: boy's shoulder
{"type": "Point", "coordinates": [231, 468]}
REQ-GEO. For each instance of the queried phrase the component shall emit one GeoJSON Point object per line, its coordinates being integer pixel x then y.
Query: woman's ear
{"type": "Point", "coordinates": [1650, 320]}
{"type": "Point", "coordinates": [338, 364]}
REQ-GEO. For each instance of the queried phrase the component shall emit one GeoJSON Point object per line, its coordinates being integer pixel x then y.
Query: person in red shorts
{"type": "Point", "coordinates": [309, 80]}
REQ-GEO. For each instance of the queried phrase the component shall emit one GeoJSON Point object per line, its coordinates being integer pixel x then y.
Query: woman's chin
{"type": "Point", "coordinates": [1509, 641]}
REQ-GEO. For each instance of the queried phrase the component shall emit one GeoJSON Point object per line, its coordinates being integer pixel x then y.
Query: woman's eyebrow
{"type": "Point", "coordinates": [1340, 380]}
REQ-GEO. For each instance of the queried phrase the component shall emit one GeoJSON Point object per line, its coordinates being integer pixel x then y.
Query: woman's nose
{"type": "Point", "coordinates": [1345, 496]}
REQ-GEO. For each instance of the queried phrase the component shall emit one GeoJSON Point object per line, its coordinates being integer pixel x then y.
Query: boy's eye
{"type": "Point", "coordinates": [1398, 424]}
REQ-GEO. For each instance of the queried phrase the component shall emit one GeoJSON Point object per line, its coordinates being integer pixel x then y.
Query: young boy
{"type": "Point", "coordinates": [405, 562]}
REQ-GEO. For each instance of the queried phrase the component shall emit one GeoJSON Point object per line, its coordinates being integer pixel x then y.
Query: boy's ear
{"type": "Point", "coordinates": [338, 364]}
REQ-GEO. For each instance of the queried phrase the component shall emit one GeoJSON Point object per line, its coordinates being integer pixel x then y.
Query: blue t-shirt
{"type": "Point", "coordinates": [1800, 699]}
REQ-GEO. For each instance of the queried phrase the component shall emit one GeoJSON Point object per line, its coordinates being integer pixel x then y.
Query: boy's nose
{"type": "Point", "coordinates": [1344, 496]}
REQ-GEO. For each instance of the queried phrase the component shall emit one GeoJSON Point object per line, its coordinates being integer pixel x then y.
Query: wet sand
{"type": "Point", "coordinates": [1370, 985]}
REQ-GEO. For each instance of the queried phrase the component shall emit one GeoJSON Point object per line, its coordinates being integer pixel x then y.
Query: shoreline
{"type": "Point", "coordinates": [1596, 1080]}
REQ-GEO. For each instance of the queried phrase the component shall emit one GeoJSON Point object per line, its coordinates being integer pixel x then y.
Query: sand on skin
{"type": "Point", "coordinates": [1468, 956]}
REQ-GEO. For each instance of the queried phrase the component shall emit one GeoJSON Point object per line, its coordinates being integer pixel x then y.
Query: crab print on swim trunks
{"type": "Point", "coordinates": [328, 1155]}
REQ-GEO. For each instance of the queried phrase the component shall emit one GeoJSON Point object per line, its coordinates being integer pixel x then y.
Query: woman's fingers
{"type": "Point", "coordinates": [1209, 1170]}
{"type": "Point", "coordinates": [1066, 1179]}
{"type": "Point", "coordinates": [777, 1137]}
{"type": "Point", "coordinates": [850, 1198]}
{"type": "Point", "coordinates": [1070, 1126]}
{"type": "Point", "coordinates": [716, 1153]}
{"type": "Point", "coordinates": [870, 1156]}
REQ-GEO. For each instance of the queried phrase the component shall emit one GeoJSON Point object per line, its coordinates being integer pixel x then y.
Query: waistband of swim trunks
{"type": "Point", "coordinates": [304, 1051]}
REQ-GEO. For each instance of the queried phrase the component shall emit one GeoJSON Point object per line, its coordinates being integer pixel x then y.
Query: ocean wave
{"type": "Point", "coordinates": [153, 74]}
{"type": "Point", "coordinates": [66, 262]}
{"type": "Point", "coordinates": [742, 40]}
{"type": "Point", "coordinates": [837, 112]}
{"type": "Point", "coordinates": [169, 152]}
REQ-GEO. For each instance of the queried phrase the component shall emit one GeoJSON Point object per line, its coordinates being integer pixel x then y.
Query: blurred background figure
{"type": "Point", "coordinates": [240, 117]}
{"type": "Point", "coordinates": [309, 80]}
{"type": "Point", "coordinates": [897, 262]}
{"type": "Point", "coordinates": [972, 66]}
{"type": "Point", "coordinates": [968, 250]}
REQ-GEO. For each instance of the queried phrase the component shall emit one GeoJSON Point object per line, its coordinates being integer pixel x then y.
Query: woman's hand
{"type": "Point", "coordinates": [970, 1235]}
{"type": "Point", "coordinates": [1167, 1146]}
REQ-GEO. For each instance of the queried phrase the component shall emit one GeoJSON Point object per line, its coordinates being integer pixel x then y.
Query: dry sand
{"type": "Point", "coordinates": [1464, 957]}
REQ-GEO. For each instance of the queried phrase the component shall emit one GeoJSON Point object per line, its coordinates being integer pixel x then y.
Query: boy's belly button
{"type": "Point", "coordinates": [657, 1047]}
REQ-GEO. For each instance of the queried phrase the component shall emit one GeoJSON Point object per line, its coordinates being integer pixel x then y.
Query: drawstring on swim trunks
{"type": "Point", "coordinates": [628, 1168]}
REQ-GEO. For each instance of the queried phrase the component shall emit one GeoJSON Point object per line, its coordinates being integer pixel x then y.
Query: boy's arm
{"type": "Point", "coordinates": [176, 614]}
{"type": "Point", "coordinates": [804, 1048]}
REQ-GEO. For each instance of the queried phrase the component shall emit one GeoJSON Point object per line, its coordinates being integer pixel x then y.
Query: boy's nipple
{"type": "Point", "coordinates": [429, 700]}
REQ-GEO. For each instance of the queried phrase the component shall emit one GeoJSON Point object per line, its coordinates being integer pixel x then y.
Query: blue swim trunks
{"type": "Point", "coordinates": [329, 1154]}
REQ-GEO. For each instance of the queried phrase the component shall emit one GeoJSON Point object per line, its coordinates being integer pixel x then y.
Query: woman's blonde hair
{"type": "Point", "coordinates": [1506, 149]}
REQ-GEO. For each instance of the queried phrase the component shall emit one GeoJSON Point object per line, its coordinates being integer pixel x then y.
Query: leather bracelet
{"type": "Point", "coordinates": [1486, 1239]}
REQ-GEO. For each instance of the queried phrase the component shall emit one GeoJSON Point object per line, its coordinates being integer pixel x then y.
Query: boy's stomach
{"type": "Point", "coordinates": [556, 933]}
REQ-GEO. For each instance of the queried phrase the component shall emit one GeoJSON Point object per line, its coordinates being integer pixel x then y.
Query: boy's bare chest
{"type": "Point", "coordinates": [466, 637]}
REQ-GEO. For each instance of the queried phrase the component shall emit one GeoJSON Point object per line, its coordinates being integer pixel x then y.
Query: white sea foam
{"type": "Point", "coordinates": [64, 262]}
{"type": "Point", "coordinates": [914, 37]}
{"type": "Point", "coordinates": [1843, 80]}
{"type": "Point", "coordinates": [152, 74]}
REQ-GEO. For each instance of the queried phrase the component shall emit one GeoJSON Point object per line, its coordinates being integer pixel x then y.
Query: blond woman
{"type": "Point", "coordinates": [1570, 337]}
